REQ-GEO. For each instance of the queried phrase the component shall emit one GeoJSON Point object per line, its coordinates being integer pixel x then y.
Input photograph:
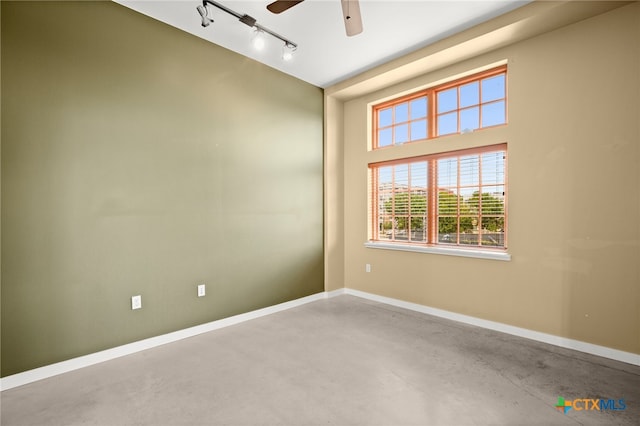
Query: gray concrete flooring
{"type": "Point", "coordinates": [341, 361]}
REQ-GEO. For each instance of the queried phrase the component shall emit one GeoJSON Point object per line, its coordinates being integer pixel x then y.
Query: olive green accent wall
{"type": "Point", "coordinates": [138, 159]}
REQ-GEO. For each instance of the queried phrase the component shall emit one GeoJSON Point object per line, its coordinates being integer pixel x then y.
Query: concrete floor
{"type": "Point", "coordinates": [341, 361]}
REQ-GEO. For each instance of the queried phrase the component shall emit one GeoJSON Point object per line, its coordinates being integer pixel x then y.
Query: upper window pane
{"type": "Point", "coordinates": [493, 88]}
{"type": "Point", "coordinates": [385, 117]}
{"type": "Point", "coordinates": [447, 100]}
{"type": "Point", "coordinates": [469, 94]}
{"type": "Point", "coordinates": [447, 124]}
{"type": "Point", "coordinates": [418, 130]}
{"type": "Point", "coordinates": [469, 119]}
{"type": "Point", "coordinates": [402, 134]}
{"type": "Point", "coordinates": [419, 108]}
{"type": "Point", "coordinates": [385, 137]}
{"type": "Point", "coordinates": [402, 113]}
{"type": "Point", "coordinates": [493, 114]}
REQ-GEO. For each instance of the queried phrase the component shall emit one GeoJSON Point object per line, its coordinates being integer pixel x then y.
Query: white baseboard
{"type": "Point", "coordinates": [334, 293]}
{"type": "Point", "coordinates": [47, 371]}
{"type": "Point", "coordinates": [51, 370]}
{"type": "Point", "coordinates": [562, 342]}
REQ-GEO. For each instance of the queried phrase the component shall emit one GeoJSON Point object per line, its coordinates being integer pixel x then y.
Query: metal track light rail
{"type": "Point", "coordinates": [244, 18]}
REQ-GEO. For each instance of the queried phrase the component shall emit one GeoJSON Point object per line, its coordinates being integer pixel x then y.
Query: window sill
{"type": "Point", "coordinates": [448, 251]}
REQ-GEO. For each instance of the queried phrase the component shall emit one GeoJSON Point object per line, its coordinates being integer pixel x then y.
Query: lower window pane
{"type": "Point", "coordinates": [469, 239]}
{"type": "Point", "coordinates": [447, 230]}
{"type": "Point", "coordinates": [385, 117]}
{"type": "Point", "coordinates": [401, 228]}
{"type": "Point", "coordinates": [468, 225]}
{"type": "Point", "coordinates": [469, 230]}
{"type": "Point", "coordinates": [419, 236]}
{"type": "Point", "coordinates": [493, 200]}
{"type": "Point", "coordinates": [418, 229]}
{"type": "Point", "coordinates": [493, 231]}
{"type": "Point", "coordinates": [447, 202]}
{"type": "Point", "coordinates": [448, 100]}
{"type": "Point", "coordinates": [386, 229]}
{"type": "Point", "coordinates": [447, 238]}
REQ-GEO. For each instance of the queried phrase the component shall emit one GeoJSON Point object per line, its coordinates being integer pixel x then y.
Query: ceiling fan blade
{"type": "Point", "coordinates": [352, 18]}
{"type": "Point", "coordinates": [280, 6]}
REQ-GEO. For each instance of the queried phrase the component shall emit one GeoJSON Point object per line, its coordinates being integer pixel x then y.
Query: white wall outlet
{"type": "Point", "coordinates": [201, 290]}
{"type": "Point", "coordinates": [136, 302]}
{"type": "Point", "coordinates": [367, 267]}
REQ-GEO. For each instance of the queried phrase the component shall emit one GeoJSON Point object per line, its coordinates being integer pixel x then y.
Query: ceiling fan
{"type": "Point", "coordinates": [350, 11]}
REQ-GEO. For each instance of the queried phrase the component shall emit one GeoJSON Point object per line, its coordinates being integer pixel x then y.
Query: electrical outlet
{"type": "Point", "coordinates": [367, 267]}
{"type": "Point", "coordinates": [136, 302]}
{"type": "Point", "coordinates": [201, 290]}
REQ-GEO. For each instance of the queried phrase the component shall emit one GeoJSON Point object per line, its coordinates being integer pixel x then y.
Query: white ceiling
{"type": "Point", "coordinates": [325, 55]}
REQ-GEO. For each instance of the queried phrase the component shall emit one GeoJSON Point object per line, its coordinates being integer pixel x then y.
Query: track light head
{"type": "Point", "coordinates": [287, 51]}
{"type": "Point", "coordinates": [204, 14]}
{"type": "Point", "coordinates": [258, 40]}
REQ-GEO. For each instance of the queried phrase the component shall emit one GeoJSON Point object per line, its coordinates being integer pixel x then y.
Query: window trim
{"type": "Point", "coordinates": [431, 245]}
{"type": "Point", "coordinates": [432, 114]}
{"type": "Point", "coordinates": [478, 253]}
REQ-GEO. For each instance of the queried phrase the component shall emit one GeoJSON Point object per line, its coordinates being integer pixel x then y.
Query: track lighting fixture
{"type": "Point", "coordinates": [258, 39]}
{"type": "Point", "coordinates": [204, 14]}
{"type": "Point", "coordinates": [287, 51]}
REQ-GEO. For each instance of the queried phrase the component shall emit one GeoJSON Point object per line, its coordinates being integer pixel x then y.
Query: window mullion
{"type": "Point", "coordinates": [393, 203]}
{"type": "Point", "coordinates": [432, 201]}
{"type": "Point", "coordinates": [375, 130]}
{"type": "Point", "coordinates": [458, 118]}
{"type": "Point", "coordinates": [431, 114]}
{"type": "Point", "coordinates": [480, 103]}
{"type": "Point", "coordinates": [505, 195]}
{"type": "Point", "coordinates": [409, 189]}
{"type": "Point", "coordinates": [479, 199]}
{"type": "Point", "coordinates": [375, 213]}
{"type": "Point", "coordinates": [458, 200]}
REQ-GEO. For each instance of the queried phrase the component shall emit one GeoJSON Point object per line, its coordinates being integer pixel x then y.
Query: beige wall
{"type": "Point", "coordinates": [333, 196]}
{"type": "Point", "coordinates": [138, 159]}
{"type": "Point", "coordinates": [574, 183]}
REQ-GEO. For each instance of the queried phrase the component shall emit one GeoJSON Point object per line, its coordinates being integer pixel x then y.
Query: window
{"type": "Point", "coordinates": [449, 199]}
{"type": "Point", "coordinates": [475, 102]}
{"type": "Point", "coordinates": [405, 121]}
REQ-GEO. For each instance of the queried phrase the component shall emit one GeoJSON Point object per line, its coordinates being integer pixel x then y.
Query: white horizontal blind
{"type": "Point", "coordinates": [465, 191]}
{"type": "Point", "coordinates": [402, 202]}
{"type": "Point", "coordinates": [471, 199]}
